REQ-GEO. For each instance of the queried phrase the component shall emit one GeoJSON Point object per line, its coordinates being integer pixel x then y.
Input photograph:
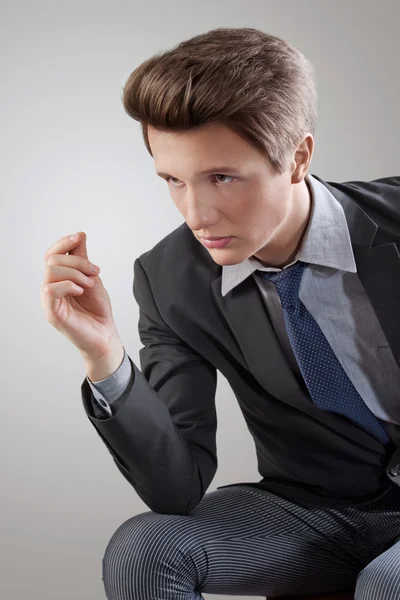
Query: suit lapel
{"type": "Point", "coordinates": [244, 310]}
{"type": "Point", "coordinates": [378, 268]}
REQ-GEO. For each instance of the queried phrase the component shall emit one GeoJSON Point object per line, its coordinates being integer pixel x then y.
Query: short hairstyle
{"type": "Point", "coordinates": [255, 83]}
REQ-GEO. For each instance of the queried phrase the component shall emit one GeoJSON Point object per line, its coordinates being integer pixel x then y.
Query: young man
{"type": "Point", "coordinates": [297, 305]}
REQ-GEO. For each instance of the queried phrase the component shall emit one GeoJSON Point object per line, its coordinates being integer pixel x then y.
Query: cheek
{"type": "Point", "coordinates": [271, 206]}
{"type": "Point", "coordinates": [261, 220]}
{"type": "Point", "coordinates": [261, 213]}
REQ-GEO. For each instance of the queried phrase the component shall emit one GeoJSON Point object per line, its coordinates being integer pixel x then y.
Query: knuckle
{"type": "Point", "coordinates": [47, 272]}
{"type": "Point", "coordinates": [84, 265]}
{"type": "Point", "coordinates": [52, 260]}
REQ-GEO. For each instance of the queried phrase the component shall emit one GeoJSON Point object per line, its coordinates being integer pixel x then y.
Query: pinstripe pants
{"type": "Point", "coordinates": [249, 542]}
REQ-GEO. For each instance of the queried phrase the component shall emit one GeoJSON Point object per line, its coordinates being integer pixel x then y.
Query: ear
{"type": "Point", "coordinates": [302, 159]}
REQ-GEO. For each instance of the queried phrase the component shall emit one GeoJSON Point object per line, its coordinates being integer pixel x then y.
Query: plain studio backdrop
{"type": "Point", "coordinates": [72, 160]}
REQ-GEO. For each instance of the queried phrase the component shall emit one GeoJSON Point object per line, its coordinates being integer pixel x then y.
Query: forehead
{"type": "Point", "coordinates": [211, 142]}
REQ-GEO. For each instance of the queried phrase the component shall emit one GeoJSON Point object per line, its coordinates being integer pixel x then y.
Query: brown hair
{"type": "Point", "coordinates": [257, 84]}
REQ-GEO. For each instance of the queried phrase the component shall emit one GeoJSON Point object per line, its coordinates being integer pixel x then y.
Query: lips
{"type": "Point", "coordinates": [215, 242]}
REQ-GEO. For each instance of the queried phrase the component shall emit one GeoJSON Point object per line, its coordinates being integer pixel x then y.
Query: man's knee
{"type": "Point", "coordinates": [139, 534]}
{"type": "Point", "coordinates": [146, 543]}
{"type": "Point", "coordinates": [379, 579]}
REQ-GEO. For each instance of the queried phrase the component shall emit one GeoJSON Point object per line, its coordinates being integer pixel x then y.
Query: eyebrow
{"type": "Point", "coordinates": [217, 170]}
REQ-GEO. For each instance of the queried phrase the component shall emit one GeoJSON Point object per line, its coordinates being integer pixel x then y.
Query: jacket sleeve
{"type": "Point", "coordinates": [163, 435]}
{"type": "Point", "coordinates": [108, 393]}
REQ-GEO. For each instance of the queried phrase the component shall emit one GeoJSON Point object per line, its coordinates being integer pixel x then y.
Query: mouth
{"type": "Point", "coordinates": [215, 242]}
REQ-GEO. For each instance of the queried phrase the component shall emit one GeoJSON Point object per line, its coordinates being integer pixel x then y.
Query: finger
{"type": "Point", "coordinates": [59, 273]}
{"type": "Point", "coordinates": [74, 262]}
{"type": "Point", "coordinates": [53, 292]}
{"type": "Point", "coordinates": [64, 245]}
{"type": "Point", "coordinates": [80, 249]}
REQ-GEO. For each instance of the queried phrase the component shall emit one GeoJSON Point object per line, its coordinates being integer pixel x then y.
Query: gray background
{"type": "Point", "coordinates": [72, 160]}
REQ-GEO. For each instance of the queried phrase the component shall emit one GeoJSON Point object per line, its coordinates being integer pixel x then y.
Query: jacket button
{"type": "Point", "coordinates": [394, 471]}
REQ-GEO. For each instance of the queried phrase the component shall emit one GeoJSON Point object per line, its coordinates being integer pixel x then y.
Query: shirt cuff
{"type": "Point", "coordinates": [106, 391]}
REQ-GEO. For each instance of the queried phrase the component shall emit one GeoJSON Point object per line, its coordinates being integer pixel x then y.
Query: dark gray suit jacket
{"type": "Point", "coordinates": [162, 437]}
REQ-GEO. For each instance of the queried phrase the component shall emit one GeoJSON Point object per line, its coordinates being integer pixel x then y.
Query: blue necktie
{"type": "Point", "coordinates": [328, 384]}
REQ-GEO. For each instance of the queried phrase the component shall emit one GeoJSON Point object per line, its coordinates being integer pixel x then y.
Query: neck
{"type": "Point", "coordinates": [282, 249]}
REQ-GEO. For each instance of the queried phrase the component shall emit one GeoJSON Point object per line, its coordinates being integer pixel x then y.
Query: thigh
{"type": "Point", "coordinates": [237, 541]}
{"type": "Point", "coordinates": [381, 577]}
{"type": "Point", "coordinates": [258, 543]}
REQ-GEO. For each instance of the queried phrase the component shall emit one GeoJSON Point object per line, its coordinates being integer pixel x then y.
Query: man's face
{"type": "Point", "coordinates": [242, 196]}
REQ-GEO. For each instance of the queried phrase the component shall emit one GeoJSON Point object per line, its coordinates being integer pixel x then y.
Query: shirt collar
{"type": "Point", "coordinates": [326, 241]}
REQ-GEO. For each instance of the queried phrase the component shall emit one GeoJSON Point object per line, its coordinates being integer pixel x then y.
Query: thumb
{"type": "Point", "coordinates": [80, 249]}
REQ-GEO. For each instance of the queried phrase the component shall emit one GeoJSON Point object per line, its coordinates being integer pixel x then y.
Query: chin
{"type": "Point", "coordinates": [227, 258]}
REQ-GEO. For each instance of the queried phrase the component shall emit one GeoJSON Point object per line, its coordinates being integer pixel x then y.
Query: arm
{"type": "Point", "coordinates": [163, 436]}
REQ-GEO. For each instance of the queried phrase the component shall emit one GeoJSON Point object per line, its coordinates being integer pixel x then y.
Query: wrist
{"type": "Point", "coordinates": [103, 366]}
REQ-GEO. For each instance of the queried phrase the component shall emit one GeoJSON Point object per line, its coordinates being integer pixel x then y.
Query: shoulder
{"type": "Point", "coordinates": [378, 198]}
{"type": "Point", "coordinates": [385, 189]}
{"type": "Point", "coordinates": [377, 192]}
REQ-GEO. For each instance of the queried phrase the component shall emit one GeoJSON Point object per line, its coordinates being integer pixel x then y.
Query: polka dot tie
{"type": "Point", "coordinates": [328, 384]}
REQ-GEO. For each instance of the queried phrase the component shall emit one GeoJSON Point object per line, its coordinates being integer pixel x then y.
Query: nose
{"type": "Point", "coordinates": [199, 213]}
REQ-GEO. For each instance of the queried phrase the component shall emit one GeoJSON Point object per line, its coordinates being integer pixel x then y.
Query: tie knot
{"type": "Point", "coordinates": [287, 283]}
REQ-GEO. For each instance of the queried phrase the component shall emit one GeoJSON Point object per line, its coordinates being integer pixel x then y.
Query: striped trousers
{"type": "Point", "coordinates": [250, 542]}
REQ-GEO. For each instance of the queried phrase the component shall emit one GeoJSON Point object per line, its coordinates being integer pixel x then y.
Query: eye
{"type": "Point", "coordinates": [222, 175]}
{"type": "Point", "coordinates": [175, 182]}
{"type": "Point", "coordinates": [169, 180]}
